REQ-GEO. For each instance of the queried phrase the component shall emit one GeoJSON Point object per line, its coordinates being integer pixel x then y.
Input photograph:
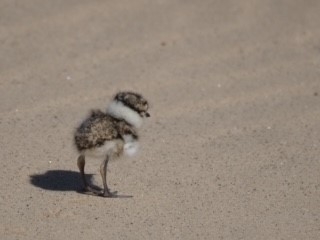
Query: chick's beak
{"type": "Point", "coordinates": [144, 114]}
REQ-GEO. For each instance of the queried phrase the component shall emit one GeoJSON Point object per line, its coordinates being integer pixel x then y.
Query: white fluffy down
{"type": "Point", "coordinates": [131, 148]}
{"type": "Point", "coordinates": [101, 152]}
{"type": "Point", "coordinates": [119, 110]}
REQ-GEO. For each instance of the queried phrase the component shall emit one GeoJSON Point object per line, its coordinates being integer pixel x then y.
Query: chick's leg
{"type": "Point", "coordinates": [81, 163]}
{"type": "Point", "coordinates": [103, 171]}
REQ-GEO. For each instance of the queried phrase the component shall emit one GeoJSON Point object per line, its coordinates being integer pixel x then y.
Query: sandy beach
{"type": "Point", "coordinates": [231, 150]}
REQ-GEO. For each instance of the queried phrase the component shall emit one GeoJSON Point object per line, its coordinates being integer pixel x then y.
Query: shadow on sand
{"type": "Point", "coordinates": [59, 180]}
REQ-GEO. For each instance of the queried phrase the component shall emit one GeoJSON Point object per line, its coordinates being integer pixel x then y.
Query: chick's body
{"type": "Point", "coordinates": [109, 134]}
{"type": "Point", "coordinates": [102, 134]}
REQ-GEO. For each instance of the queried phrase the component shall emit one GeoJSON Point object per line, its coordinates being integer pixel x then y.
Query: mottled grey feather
{"type": "Point", "coordinates": [100, 127]}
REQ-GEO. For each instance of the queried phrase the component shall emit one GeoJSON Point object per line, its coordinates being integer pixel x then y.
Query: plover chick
{"type": "Point", "coordinates": [108, 135]}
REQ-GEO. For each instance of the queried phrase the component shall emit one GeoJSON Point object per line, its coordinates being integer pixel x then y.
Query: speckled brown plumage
{"type": "Point", "coordinates": [100, 127]}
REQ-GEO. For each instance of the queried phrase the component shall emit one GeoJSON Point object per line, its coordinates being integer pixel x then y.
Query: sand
{"type": "Point", "coordinates": [231, 150]}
